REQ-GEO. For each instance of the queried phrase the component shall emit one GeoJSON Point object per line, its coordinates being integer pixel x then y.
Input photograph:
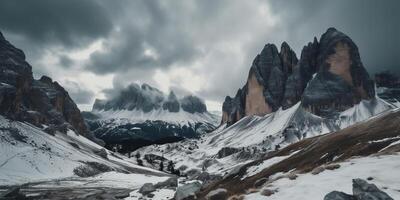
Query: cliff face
{"type": "Point", "coordinates": [328, 78]}
{"type": "Point", "coordinates": [36, 101]}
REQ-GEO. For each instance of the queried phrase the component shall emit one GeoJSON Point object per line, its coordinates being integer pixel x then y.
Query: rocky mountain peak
{"type": "Point", "coordinates": [171, 104]}
{"type": "Point", "coordinates": [193, 104]}
{"type": "Point", "coordinates": [36, 101]}
{"type": "Point", "coordinates": [328, 78]}
{"type": "Point", "coordinates": [147, 98]}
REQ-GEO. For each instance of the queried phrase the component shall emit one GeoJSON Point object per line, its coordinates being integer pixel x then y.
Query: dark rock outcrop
{"type": "Point", "coordinates": [172, 103]}
{"type": "Point", "coordinates": [341, 80]}
{"type": "Point", "coordinates": [36, 101]}
{"type": "Point", "coordinates": [328, 78]}
{"type": "Point", "coordinates": [388, 86]}
{"type": "Point", "coordinates": [361, 191]}
{"type": "Point", "coordinates": [193, 104]}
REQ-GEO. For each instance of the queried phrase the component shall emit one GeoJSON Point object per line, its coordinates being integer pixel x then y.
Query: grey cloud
{"type": "Point", "coordinates": [149, 27]}
{"type": "Point", "coordinates": [78, 94]}
{"type": "Point", "coordinates": [65, 61]}
{"type": "Point", "coordinates": [373, 25]}
{"type": "Point", "coordinates": [44, 22]}
{"type": "Point", "coordinates": [189, 32]}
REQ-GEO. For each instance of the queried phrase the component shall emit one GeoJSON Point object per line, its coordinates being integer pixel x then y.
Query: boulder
{"type": "Point", "coordinates": [147, 188]}
{"type": "Point", "coordinates": [260, 182]}
{"type": "Point", "coordinates": [169, 183]}
{"type": "Point", "coordinates": [218, 194]}
{"type": "Point", "coordinates": [188, 190]}
{"type": "Point", "coordinates": [366, 191]}
{"type": "Point", "coordinates": [227, 151]}
{"type": "Point", "coordinates": [335, 195]}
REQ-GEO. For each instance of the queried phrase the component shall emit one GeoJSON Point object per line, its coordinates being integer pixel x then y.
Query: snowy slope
{"type": "Point", "coordinates": [29, 155]}
{"type": "Point", "coordinates": [380, 168]}
{"type": "Point", "coordinates": [254, 135]}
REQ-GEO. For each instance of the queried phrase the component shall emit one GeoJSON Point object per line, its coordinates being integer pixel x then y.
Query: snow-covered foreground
{"type": "Point", "coordinates": [28, 154]}
{"type": "Point", "coordinates": [383, 169]}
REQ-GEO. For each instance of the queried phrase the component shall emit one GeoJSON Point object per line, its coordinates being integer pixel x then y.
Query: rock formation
{"type": "Point", "coordinates": [36, 101]}
{"type": "Point", "coordinates": [328, 78]}
{"type": "Point", "coordinates": [147, 98]}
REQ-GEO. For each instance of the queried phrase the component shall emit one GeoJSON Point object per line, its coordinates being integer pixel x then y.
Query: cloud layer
{"type": "Point", "coordinates": [202, 47]}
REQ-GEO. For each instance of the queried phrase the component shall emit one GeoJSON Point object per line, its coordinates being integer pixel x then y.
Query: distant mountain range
{"type": "Point", "coordinates": [142, 115]}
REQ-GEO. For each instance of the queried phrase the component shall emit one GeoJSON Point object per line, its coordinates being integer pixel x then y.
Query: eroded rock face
{"type": "Point", "coordinates": [328, 78]}
{"type": "Point", "coordinates": [36, 101]}
{"type": "Point", "coordinates": [255, 100]}
{"type": "Point", "coordinates": [341, 79]}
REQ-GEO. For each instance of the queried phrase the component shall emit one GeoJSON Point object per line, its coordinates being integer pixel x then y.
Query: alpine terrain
{"type": "Point", "coordinates": [316, 127]}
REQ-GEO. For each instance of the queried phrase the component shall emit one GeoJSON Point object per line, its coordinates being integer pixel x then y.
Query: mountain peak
{"type": "Point", "coordinates": [328, 77]}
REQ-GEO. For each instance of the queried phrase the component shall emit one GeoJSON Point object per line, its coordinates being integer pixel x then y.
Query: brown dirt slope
{"type": "Point", "coordinates": [362, 139]}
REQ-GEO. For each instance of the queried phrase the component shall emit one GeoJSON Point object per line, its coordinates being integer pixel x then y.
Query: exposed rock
{"type": "Point", "coordinates": [102, 153]}
{"type": "Point", "coordinates": [267, 192]}
{"type": "Point", "coordinates": [206, 177]}
{"type": "Point", "coordinates": [218, 194]}
{"type": "Point", "coordinates": [36, 101]}
{"type": "Point", "coordinates": [361, 191]}
{"type": "Point", "coordinates": [187, 190]}
{"type": "Point", "coordinates": [365, 191]}
{"type": "Point", "coordinates": [169, 183]}
{"type": "Point", "coordinates": [227, 151]}
{"type": "Point", "coordinates": [317, 170]}
{"type": "Point", "coordinates": [332, 166]}
{"type": "Point", "coordinates": [301, 74]}
{"type": "Point", "coordinates": [328, 78]}
{"type": "Point", "coordinates": [193, 104]}
{"type": "Point", "coordinates": [260, 182]}
{"type": "Point", "coordinates": [341, 81]}
{"type": "Point", "coordinates": [89, 169]}
{"type": "Point", "coordinates": [172, 103]}
{"type": "Point", "coordinates": [335, 195]}
{"type": "Point", "coordinates": [288, 58]}
{"type": "Point", "coordinates": [147, 188]}
{"type": "Point", "coordinates": [13, 193]}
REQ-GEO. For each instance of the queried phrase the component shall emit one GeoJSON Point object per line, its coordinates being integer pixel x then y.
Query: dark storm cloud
{"type": "Point", "coordinates": [78, 94]}
{"type": "Point", "coordinates": [45, 22]}
{"type": "Point", "coordinates": [373, 26]}
{"type": "Point", "coordinates": [65, 61]}
{"type": "Point", "coordinates": [150, 36]}
{"type": "Point", "coordinates": [142, 37]}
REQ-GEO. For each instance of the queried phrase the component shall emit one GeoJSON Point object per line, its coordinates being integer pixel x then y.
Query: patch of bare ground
{"type": "Point", "coordinates": [367, 138]}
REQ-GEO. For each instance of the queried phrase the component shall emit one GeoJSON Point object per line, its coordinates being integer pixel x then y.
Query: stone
{"type": "Point", "coordinates": [146, 189]}
{"type": "Point", "coordinates": [335, 195]}
{"type": "Point", "coordinates": [365, 191]}
{"type": "Point", "coordinates": [317, 170]}
{"type": "Point", "coordinates": [169, 183]}
{"type": "Point", "coordinates": [332, 166]}
{"type": "Point", "coordinates": [292, 176]}
{"type": "Point", "coordinates": [227, 151]}
{"type": "Point", "coordinates": [187, 190]}
{"type": "Point", "coordinates": [267, 192]}
{"type": "Point", "coordinates": [218, 194]}
{"type": "Point", "coordinates": [260, 182]}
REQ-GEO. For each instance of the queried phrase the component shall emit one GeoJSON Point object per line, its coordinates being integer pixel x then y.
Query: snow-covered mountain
{"type": "Point", "coordinates": [142, 115]}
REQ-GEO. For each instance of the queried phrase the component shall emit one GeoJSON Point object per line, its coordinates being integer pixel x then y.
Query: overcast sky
{"type": "Point", "coordinates": [203, 47]}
